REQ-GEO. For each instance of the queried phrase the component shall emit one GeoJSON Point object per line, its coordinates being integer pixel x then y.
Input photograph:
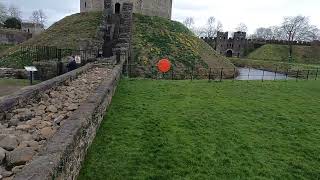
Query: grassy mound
{"type": "Point", "coordinates": [155, 38]}
{"type": "Point", "coordinates": [301, 54]}
{"type": "Point", "coordinates": [65, 33]}
{"type": "Point", "coordinates": [201, 130]}
{"type": "Point", "coordinates": [4, 47]}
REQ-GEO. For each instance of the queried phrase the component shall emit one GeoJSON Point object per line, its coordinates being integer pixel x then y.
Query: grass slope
{"type": "Point", "coordinates": [4, 47]}
{"type": "Point", "coordinates": [8, 86]}
{"type": "Point", "coordinates": [155, 38]}
{"type": "Point", "coordinates": [67, 32]}
{"type": "Point", "coordinates": [201, 130]}
{"type": "Point", "coordinates": [301, 54]}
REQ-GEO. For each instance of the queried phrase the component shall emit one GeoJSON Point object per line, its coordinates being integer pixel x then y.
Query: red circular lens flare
{"type": "Point", "coordinates": [164, 65]}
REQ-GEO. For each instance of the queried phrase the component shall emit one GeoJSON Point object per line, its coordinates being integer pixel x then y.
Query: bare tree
{"type": "Point", "coordinates": [219, 26]}
{"type": "Point", "coordinates": [297, 28]}
{"type": "Point", "coordinates": [3, 13]}
{"type": "Point", "coordinates": [263, 33]}
{"type": "Point", "coordinates": [42, 17]}
{"type": "Point", "coordinates": [199, 31]}
{"type": "Point", "coordinates": [35, 17]}
{"type": "Point", "coordinates": [242, 27]}
{"type": "Point", "coordinates": [189, 22]}
{"type": "Point", "coordinates": [15, 12]}
{"type": "Point", "coordinates": [38, 17]}
{"type": "Point", "coordinates": [212, 27]}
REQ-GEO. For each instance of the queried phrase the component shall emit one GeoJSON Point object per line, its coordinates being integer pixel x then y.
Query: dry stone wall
{"type": "Point", "coordinates": [32, 117]}
{"type": "Point", "coordinates": [61, 157]}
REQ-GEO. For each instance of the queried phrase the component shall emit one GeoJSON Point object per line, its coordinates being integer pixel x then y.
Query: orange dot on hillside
{"type": "Point", "coordinates": [164, 65]}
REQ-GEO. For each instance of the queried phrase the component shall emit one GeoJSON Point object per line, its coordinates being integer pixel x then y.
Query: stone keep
{"type": "Point", "coordinates": [161, 8]}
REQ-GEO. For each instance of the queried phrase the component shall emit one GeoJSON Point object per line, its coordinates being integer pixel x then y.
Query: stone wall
{"type": "Point", "coordinates": [62, 156]}
{"type": "Point", "coordinates": [13, 73]}
{"type": "Point", "coordinates": [13, 36]}
{"type": "Point", "coordinates": [32, 93]}
{"type": "Point", "coordinates": [240, 46]}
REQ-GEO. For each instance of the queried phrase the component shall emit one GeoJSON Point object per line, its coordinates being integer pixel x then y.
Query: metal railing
{"type": "Point", "coordinates": [220, 74]}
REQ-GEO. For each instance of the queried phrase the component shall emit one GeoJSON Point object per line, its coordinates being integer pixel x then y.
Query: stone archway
{"type": "Point", "coordinates": [229, 53]}
{"type": "Point", "coordinates": [117, 8]}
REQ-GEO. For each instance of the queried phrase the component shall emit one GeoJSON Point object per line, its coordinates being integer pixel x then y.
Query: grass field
{"type": "Point", "coordinates": [8, 86]}
{"type": "Point", "coordinates": [202, 130]}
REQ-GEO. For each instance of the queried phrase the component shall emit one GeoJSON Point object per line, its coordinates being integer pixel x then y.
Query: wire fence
{"type": "Point", "coordinates": [220, 74]}
{"type": "Point", "coordinates": [46, 53]}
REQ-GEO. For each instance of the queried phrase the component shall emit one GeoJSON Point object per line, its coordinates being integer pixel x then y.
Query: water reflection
{"type": "Point", "coordinates": [256, 74]}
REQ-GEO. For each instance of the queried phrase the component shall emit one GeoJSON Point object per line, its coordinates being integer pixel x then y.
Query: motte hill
{"type": "Point", "coordinates": [153, 38]}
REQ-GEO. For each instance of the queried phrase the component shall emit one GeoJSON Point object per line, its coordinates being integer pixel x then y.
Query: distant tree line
{"type": "Point", "coordinates": [11, 17]}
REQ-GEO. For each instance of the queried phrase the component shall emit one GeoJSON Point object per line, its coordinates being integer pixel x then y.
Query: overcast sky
{"type": "Point", "coordinates": [254, 13]}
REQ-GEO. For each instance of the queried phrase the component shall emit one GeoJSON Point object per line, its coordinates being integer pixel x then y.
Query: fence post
{"type": "Point", "coordinates": [172, 74]}
{"type": "Point", "coordinates": [191, 73]}
{"type": "Point", "coordinates": [210, 74]}
{"type": "Point", "coordinates": [127, 67]}
{"type": "Point", "coordinates": [221, 74]}
{"type": "Point", "coordinates": [275, 74]}
{"type": "Point", "coordinates": [287, 74]}
{"type": "Point", "coordinates": [308, 74]}
{"type": "Point", "coordinates": [297, 75]}
{"type": "Point", "coordinates": [317, 73]}
{"type": "Point", "coordinates": [263, 76]}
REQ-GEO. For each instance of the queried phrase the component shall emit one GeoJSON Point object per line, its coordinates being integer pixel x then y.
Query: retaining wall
{"type": "Point", "coordinates": [32, 93]}
{"type": "Point", "coordinates": [62, 156]}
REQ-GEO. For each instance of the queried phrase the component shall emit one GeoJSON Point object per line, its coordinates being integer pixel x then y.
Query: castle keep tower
{"type": "Point", "coordinates": [161, 8]}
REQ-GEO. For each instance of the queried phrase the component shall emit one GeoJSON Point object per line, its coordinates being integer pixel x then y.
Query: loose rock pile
{"type": "Point", "coordinates": [28, 128]}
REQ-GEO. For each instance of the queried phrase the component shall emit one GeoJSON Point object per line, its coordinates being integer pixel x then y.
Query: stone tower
{"type": "Point", "coordinates": [161, 8]}
{"type": "Point", "coordinates": [231, 47]}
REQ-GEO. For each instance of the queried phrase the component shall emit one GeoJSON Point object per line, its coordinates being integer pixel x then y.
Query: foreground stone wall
{"type": "Point", "coordinates": [32, 93]}
{"type": "Point", "coordinates": [62, 156]}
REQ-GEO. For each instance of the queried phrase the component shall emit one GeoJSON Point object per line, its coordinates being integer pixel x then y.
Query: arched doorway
{"type": "Point", "coordinates": [229, 53]}
{"type": "Point", "coordinates": [117, 8]}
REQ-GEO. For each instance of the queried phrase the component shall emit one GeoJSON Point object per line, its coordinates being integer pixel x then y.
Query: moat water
{"type": "Point", "coordinates": [256, 74]}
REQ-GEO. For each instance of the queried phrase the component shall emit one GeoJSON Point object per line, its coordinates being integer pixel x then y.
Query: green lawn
{"type": "Point", "coordinates": [14, 82]}
{"type": "Point", "coordinates": [202, 130]}
{"type": "Point", "coordinates": [9, 86]}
